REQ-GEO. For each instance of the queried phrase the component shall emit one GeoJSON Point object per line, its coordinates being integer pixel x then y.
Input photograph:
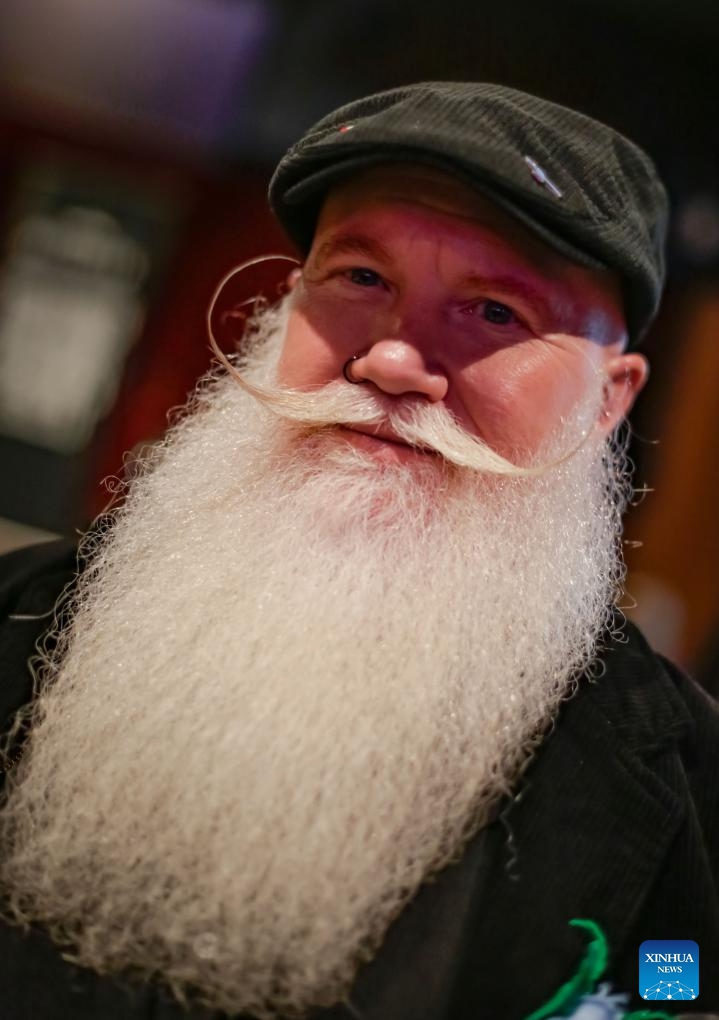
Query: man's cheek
{"type": "Point", "coordinates": [511, 417]}
{"type": "Point", "coordinates": [306, 360]}
{"type": "Point", "coordinates": [494, 402]}
{"type": "Point", "coordinates": [317, 345]}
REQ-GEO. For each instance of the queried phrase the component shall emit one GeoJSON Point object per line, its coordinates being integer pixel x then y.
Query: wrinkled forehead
{"type": "Point", "coordinates": [361, 199]}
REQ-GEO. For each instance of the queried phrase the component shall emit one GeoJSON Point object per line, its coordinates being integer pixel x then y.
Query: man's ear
{"type": "Point", "coordinates": [625, 376]}
{"type": "Point", "coordinates": [293, 276]}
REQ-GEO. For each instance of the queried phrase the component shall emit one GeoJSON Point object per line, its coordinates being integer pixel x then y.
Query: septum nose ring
{"type": "Point", "coordinates": [347, 370]}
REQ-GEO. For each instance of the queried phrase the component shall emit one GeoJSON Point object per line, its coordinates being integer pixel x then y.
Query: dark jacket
{"type": "Point", "coordinates": [616, 820]}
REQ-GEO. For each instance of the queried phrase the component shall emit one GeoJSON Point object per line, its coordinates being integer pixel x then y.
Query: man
{"type": "Point", "coordinates": [340, 719]}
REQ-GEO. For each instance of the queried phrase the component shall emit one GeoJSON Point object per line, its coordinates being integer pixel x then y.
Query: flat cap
{"type": "Point", "coordinates": [581, 186]}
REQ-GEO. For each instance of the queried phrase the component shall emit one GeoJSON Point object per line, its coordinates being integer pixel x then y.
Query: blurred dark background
{"type": "Point", "coordinates": [136, 141]}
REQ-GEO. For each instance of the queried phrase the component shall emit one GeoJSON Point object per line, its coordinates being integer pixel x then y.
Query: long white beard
{"type": "Point", "coordinates": [294, 683]}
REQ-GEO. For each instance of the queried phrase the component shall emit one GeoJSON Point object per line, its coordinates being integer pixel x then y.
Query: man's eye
{"type": "Point", "coordinates": [497, 313]}
{"type": "Point", "coordinates": [364, 277]}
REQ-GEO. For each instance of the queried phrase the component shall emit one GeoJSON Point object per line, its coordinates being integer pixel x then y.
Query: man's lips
{"type": "Point", "coordinates": [381, 439]}
{"type": "Point", "coordinates": [378, 433]}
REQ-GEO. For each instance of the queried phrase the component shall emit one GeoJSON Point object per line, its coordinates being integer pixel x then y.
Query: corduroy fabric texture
{"type": "Point", "coordinates": [578, 184]}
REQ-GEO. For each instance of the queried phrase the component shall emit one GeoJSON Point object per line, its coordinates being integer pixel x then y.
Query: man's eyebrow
{"type": "Point", "coordinates": [351, 244]}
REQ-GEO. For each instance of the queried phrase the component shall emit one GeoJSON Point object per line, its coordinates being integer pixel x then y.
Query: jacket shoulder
{"type": "Point", "coordinates": [29, 576]}
{"type": "Point", "coordinates": [650, 701]}
{"type": "Point", "coordinates": [31, 582]}
{"type": "Point", "coordinates": [700, 749]}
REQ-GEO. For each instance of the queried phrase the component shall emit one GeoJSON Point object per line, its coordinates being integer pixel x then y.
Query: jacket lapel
{"type": "Point", "coordinates": [583, 838]}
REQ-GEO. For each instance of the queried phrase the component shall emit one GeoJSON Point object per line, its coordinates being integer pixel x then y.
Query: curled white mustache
{"type": "Point", "coordinates": [413, 420]}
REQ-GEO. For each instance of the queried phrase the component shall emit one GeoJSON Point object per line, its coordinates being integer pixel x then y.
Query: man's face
{"type": "Point", "coordinates": [439, 293]}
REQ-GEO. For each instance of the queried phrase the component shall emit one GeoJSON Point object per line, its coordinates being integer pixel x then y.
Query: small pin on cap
{"type": "Point", "coordinates": [541, 178]}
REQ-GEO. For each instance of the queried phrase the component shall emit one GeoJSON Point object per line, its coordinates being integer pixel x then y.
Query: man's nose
{"type": "Point", "coordinates": [396, 366]}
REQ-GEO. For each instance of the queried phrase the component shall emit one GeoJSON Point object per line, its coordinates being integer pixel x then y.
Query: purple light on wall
{"type": "Point", "coordinates": [178, 64]}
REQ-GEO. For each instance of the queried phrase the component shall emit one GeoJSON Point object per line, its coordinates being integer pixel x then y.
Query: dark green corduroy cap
{"type": "Point", "coordinates": [582, 187]}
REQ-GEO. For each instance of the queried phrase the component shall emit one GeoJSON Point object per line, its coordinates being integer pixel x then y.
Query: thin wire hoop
{"type": "Point", "coordinates": [216, 350]}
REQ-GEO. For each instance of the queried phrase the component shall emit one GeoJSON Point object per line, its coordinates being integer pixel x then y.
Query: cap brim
{"type": "Point", "coordinates": [300, 204]}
